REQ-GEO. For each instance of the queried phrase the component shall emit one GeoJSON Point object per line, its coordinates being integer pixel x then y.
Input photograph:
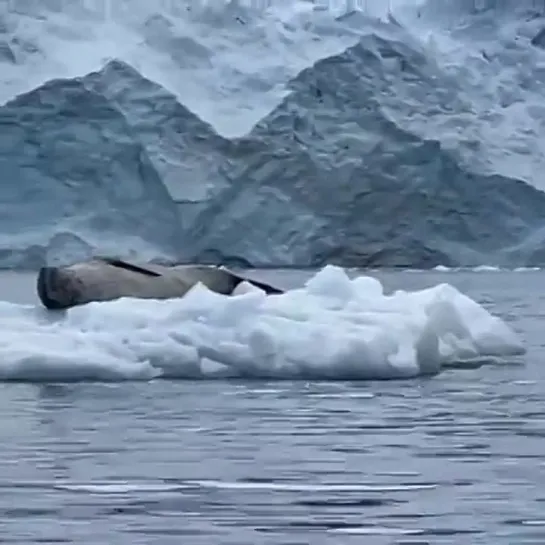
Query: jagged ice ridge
{"type": "Point", "coordinates": [279, 136]}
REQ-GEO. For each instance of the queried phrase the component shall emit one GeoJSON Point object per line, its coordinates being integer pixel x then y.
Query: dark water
{"type": "Point", "coordinates": [455, 459]}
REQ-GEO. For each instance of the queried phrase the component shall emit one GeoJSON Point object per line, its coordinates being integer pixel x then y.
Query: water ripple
{"type": "Point", "coordinates": [453, 459]}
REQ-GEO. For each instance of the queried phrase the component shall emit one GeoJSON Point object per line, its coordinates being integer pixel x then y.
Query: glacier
{"type": "Point", "coordinates": [273, 133]}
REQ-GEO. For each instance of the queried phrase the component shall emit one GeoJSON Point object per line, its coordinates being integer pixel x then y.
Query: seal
{"type": "Point", "coordinates": [106, 279]}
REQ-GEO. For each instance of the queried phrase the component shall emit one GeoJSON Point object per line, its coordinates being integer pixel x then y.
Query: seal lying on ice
{"type": "Point", "coordinates": [105, 279]}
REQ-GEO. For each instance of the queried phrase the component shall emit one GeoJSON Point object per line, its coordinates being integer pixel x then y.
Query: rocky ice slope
{"type": "Point", "coordinates": [280, 135]}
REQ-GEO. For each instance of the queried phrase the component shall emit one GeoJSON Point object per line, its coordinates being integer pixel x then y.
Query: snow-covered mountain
{"type": "Point", "coordinates": [275, 132]}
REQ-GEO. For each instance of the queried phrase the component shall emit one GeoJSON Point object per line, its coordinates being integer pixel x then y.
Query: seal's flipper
{"type": "Point", "coordinates": [121, 264]}
{"type": "Point", "coordinates": [267, 288]}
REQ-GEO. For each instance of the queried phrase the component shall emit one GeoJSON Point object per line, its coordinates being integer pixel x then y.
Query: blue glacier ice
{"type": "Point", "coordinates": [285, 133]}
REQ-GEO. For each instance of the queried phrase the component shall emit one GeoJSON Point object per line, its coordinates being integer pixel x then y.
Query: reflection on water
{"type": "Point", "coordinates": [454, 459]}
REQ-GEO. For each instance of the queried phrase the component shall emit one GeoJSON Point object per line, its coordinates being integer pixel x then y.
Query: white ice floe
{"type": "Point", "coordinates": [332, 328]}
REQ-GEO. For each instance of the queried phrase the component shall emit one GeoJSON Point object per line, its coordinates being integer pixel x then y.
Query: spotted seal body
{"type": "Point", "coordinates": [108, 279]}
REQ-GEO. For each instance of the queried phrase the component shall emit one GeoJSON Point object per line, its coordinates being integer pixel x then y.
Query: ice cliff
{"type": "Point", "coordinates": [280, 135]}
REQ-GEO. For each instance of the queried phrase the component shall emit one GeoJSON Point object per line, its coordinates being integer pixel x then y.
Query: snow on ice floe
{"type": "Point", "coordinates": [332, 328]}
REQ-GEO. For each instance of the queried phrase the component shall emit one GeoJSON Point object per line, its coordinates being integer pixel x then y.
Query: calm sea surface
{"type": "Point", "coordinates": [455, 459]}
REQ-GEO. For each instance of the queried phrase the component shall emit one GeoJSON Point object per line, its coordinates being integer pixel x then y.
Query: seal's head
{"type": "Point", "coordinates": [58, 288]}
